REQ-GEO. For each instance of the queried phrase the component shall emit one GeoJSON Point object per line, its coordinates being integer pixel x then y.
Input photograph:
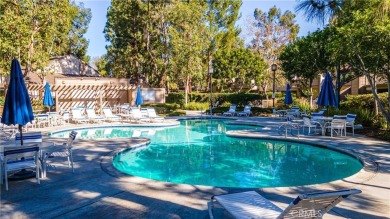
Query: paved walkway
{"type": "Point", "coordinates": [95, 192]}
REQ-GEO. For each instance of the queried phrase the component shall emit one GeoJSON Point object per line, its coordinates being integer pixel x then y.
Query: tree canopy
{"type": "Point", "coordinates": [35, 31]}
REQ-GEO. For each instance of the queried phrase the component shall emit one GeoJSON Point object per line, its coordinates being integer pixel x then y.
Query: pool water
{"type": "Point", "coordinates": [199, 153]}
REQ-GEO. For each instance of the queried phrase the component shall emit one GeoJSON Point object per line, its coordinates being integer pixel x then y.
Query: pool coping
{"type": "Point", "coordinates": [90, 192]}
{"type": "Point", "coordinates": [367, 172]}
{"type": "Point", "coordinates": [127, 125]}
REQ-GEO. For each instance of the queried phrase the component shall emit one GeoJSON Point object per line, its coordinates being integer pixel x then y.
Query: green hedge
{"type": "Point", "coordinates": [241, 99]}
{"type": "Point", "coordinates": [256, 111]}
{"type": "Point", "coordinates": [363, 101]}
{"type": "Point", "coordinates": [363, 106]}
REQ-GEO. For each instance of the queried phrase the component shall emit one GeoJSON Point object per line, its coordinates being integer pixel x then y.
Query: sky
{"type": "Point", "coordinates": [97, 41]}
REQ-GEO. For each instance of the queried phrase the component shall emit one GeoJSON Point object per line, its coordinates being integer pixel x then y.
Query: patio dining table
{"type": "Point", "coordinates": [323, 120]}
{"type": "Point", "coordinates": [43, 148]}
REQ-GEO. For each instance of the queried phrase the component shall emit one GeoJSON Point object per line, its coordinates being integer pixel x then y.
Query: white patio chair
{"type": "Point", "coordinates": [351, 122]}
{"type": "Point", "coordinates": [295, 108]}
{"type": "Point", "coordinates": [253, 205]}
{"type": "Point", "coordinates": [29, 137]}
{"type": "Point", "coordinates": [77, 116]}
{"type": "Point", "coordinates": [66, 117]}
{"type": "Point", "coordinates": [310, 124]}
{"type": "Point", "coordinates": [232, 110]}
{"type": "Point", "coordinates": [246, 112]}
{"type": "Point", "coordinates": [109, 116]}
{"type": "Point", "coordinates": [92, 116]}
{"type": "Point", "coordinates": [337, 125]}
{"type": "Point", "coordinates": [42, 120]}
{"type": "Point", "coordinates": [275, 113]}
{"type": "Point", "coordinates": [151, 112]}
{"type": "Point", "coordinates": [20, 158]}
{"type": "Point", "coordinates": [65, 150]}
{"type": "Point", "coordinates": [137, 116]}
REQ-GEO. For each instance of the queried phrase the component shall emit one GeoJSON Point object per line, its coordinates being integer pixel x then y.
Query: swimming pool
{"type": "Point", "coordinates": [199, 153]}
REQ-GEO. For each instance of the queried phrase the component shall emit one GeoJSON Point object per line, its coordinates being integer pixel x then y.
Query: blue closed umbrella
{"type": "Point", "coordinates": [327, 96]}
{"type": "Point", "coordinates": [138, 100]}
{"type": "Point", "coordinates": [47, 97]}
{"type": "Point", "coordinates": [17, 106]}
{"type": "Point", "coordinates": [288, 98]}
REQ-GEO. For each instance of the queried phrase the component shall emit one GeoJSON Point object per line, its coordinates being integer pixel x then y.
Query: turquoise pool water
{"type": "Point", "coordinates": [199, 153]}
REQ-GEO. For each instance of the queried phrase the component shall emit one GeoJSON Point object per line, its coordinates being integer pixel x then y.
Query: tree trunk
{"type": "Point", "coordinates": [388, 93]}
{"type": "Point", "coordinates": [338, 85]}
{"type": "Point", "coordinates": [186, 90]}
{"type": "Point", "coordinates": [311, 94]}
{"type": "Point", "coordinates": [382, 109]}
{"type": "Point", "coordinates": [376, 110]}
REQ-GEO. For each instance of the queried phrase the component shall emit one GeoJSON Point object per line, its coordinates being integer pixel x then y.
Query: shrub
{"type": "Point", "coordinates": [197, 106]}
{"type": "Point", "coordinates": [175, 97]}
{"type": "Point", "coordinates": [177, 113]}
{"type": "Point", "coordinates": [241, 99]}
{"type": "Point", "coordinates": [363, 101]}
{"type": "Point", "coordinates": [2, 100]}
{"type": "Point", "coordinates": [363, 106]}
{"type": "Point", "coordinates": [163, 108]}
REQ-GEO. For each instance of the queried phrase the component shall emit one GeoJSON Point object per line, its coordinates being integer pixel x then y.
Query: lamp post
{"type": "Point", "coordinates": [211, 86]}
{"type": "Point", "coordinates": [273, 68]}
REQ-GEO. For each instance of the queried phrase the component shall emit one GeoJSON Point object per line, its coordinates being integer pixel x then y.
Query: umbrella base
{"type": "Point", "coordinates": [23, 174]}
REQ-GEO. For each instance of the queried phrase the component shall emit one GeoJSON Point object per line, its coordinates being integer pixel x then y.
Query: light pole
{"type": "Point", "coordinates": [211, 86]}
{"type": "Point", "coordinates": [273, 68]}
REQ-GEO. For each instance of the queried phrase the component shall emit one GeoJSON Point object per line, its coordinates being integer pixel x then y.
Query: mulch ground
{"type": "Point", "coordinates": [380, 134]}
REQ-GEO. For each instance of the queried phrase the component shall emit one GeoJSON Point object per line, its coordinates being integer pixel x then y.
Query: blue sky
{"type": "Point", "coordinates": [97, 41]}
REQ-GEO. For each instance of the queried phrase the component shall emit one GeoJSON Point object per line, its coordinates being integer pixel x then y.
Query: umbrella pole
{"type": "Point", "coordinates": [21, 134]}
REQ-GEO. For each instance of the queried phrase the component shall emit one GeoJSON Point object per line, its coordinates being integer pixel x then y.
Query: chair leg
{"type": "Point", "coordinates": [70, 158]}
{"type": "Point", "coordinates": [6, 179]}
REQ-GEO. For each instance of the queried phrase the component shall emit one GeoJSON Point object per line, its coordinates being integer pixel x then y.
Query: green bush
{"type": "Point", "coordinates": [2, 100]}
{"type": "Point", "coordinates": [163, 108]}
{"type": "Point", "coordinates": [175, 97]}
{"type": "Point", "coordinates": [197, 106]}
{"type": "Point", "coordinates": [177, 113]}
{"type": "Point", "coordinates": [241, 99]}
{"type": "Point", "coordinates": [363, 101]}
{"type": "Point", "coordinates": [256, 111]}
{"type": "Point", "coordinates": [363, 116]}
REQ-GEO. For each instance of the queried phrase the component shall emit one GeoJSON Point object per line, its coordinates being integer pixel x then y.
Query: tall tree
{"type": "Point", "coordinates": [188, 40]}
{"type": "Point", "coordinates": [33, 32]}
{"type": "Point", "coordinates": [363, 37]}
{"type": "Point", "coordinates": [240, 67]}
{"type": "Point", "coordinates": [307, 57]}
{"type": "Point", "coordinates": [124, 31]}
{"type": "Point", "coordinates": [271, 32]}
{"type": "Point", "coordinates": [78, 44]}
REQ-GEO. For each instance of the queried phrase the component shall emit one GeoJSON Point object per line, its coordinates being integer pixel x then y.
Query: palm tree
{"type": "Point", "coordinates": [328, 10]}
{"type": "Point", "coordinates": [320, 10]}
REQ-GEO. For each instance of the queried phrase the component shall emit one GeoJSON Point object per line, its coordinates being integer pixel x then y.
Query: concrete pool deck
{"type": "Point", "coordinates": [93, 192]}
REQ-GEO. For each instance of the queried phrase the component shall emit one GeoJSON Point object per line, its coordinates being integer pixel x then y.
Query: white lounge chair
{"type": "Point", "coordinates": [137, 116]}
{"type": "Point", "coordinates": [232, 110]}
{"type": "Point", "coordinates": [92, 116]}
{"type": "Point", "coordinates": [153, 116]}
{"type": "Point", "coordinates": [246, 111]}
{"type": "Point", "coordinates": [109, 116]}
{"type": "Point", "coordinates": [77, 117]}
{"type": "Point", "coordinates": [252, 205]}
